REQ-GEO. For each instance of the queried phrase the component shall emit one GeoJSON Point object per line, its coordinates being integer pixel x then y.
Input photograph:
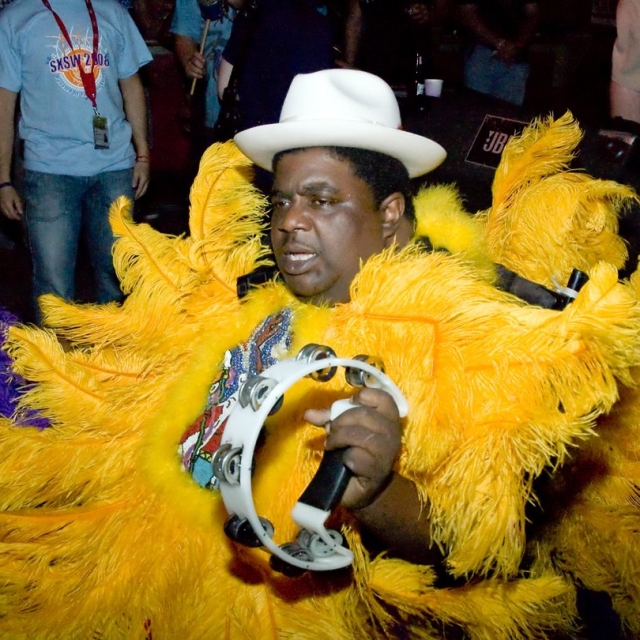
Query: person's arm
{"type": "Point", "coordinates": [623, 102]}
{"type": "Point", "coordinates": [384, 502]}
{"type": "Point", "coordinates": [235, 51]}
{"type": "Point", "coordinates": [224, 75]}
{"type": "Point", "coordinates": [399, 521]}
{"type": "Point", "coordinates": [192, 61]}
{"type": "Point", "coordinates": [507, 50]}
{"type": "Point", "coordinates": [471, 20]}
{"type": "Point", "coordinates": [352, 33]}
{"type": "Point", "coordinates": [135, 108]}
{"type": "Point", "coordinates": [529, 26]}
{"type": "Point", "coordinates": [10, 202]}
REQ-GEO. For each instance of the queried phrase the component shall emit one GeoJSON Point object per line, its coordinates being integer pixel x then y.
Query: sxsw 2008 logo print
{"type": "Point", "coordinates": [491, 139]}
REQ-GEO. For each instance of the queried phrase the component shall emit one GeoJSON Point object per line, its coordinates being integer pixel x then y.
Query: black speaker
{"type": "Point", "coordinates": [461, 122]}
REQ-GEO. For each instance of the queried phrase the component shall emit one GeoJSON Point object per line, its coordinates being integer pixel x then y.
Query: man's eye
{"type": "Point", "coordinates": [322, 202]}
{"type": "Point", "coordinates": [279, 203]}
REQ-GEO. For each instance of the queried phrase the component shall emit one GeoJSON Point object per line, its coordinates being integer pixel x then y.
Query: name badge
{"type": "Point", "coordinates": [100, 132]}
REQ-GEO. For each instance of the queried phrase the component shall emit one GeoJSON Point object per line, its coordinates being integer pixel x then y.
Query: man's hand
{"type": "Point", "coordinates": [135, 108]}
{"type": "Point", "coordinates": [11, 203]}
{"type": "Point", "coordinates": [370, 433]}
{"type": "Point", "coordinates": [384, 502]}
{"type": "Point", "coordinates": [508, 51]}
{"type": "Point", "coordinates": [195, 66]}
{"type": "Point", "coordinates": [141, 177]}
{"type": "Point", "coordinates": [188, 51]}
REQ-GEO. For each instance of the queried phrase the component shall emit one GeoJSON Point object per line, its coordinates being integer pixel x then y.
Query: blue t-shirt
{"type": "Point", "coordinates": [56, 117]}
{"type": "Point", "coordinates": [188, 21]}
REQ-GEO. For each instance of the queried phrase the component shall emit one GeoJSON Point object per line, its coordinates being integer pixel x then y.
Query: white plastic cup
{"type": "Point", "coordinates": [433, 87]}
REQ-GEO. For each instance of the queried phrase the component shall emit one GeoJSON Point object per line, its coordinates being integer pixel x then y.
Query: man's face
{"type": "Point", "coordinates": [324, 223]}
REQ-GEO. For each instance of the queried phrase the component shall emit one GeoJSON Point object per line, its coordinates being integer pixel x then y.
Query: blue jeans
{"type": "Point", "coordinates": [483, 72]}
{"type": "Point", "coordinates": [58, 209]}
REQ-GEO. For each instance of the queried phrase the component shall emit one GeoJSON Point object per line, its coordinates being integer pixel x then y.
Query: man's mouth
{"type": "Point", "coordinates": [296, 262]}
{"type": "Point", "coordinates": [299, 257]}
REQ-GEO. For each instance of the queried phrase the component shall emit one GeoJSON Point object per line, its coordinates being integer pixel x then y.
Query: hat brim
{"type": "Point", "coordinates": [418, 154]}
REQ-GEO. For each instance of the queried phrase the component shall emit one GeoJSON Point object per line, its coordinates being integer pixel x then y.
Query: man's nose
{"type": "Point", "coordinates": [294, 217]}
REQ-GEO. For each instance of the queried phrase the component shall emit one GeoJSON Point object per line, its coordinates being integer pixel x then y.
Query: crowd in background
{"type": "Point", "coordinates": [238, 58]}
{"type": "Point", "coordinates": [504, 49]}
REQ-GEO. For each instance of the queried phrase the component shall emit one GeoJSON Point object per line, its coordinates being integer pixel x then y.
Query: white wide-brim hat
{"type": "Point", "coordinates": [341, 108]}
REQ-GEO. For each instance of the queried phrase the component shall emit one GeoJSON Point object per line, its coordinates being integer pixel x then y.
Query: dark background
{"type": "Point", "coordinates": [571, 65]}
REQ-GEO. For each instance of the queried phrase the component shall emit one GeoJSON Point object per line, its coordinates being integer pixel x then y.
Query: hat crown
{"type": "Point", "coordinates": [341, 95]}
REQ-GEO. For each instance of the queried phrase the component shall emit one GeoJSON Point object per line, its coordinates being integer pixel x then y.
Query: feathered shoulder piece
{"type": "Point", "coordinates": [499, 390]}
{"type": "Point", "coordinates": [442, 218]}
{"type": "Point", "coordinates": [175, 286]}
{"type": "Point", "coordinates": [545, 219]}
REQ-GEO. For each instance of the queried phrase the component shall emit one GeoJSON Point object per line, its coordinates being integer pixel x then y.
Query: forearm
{"type": "Point", "coordinates": [7, 113]}
{"type": "Point", "coordinates": [10, 202]}
{"type": "Point", "coordinates": [224, 75]}
{"type": "Point", "coordinates": [530, 26]}
{"type": "Point", "coordinates": [135, 108]}
{"type": "Point", "coordinates": [184, 48]}
{"type": "Point", "coordinates": [352, 33]}
{"type": "Point", "coordinates": [471, 20]}
{"type": "Point", "coordinates": [398, 519]}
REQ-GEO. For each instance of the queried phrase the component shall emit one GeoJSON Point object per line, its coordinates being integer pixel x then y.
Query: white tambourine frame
{"type": "Point", "coordinates": [242, 431]}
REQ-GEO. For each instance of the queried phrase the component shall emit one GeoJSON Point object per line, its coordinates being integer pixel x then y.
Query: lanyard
{"type": "Point", "coordinates": [87, 77]}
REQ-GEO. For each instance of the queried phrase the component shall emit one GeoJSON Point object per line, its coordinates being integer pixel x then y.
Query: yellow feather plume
{"type": "Point", "coordinates": [441, 217]}
{"type": "Point", "coordinates": [104, 535]}
{"type": "Point", "coordinates": [545, 220]}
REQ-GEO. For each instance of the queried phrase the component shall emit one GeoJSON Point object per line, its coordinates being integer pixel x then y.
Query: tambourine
{"type": "Point", "coordinates": [315, 548]}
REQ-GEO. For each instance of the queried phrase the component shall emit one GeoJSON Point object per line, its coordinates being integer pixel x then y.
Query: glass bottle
{"type": "Point", "coordinates": [420, 101]}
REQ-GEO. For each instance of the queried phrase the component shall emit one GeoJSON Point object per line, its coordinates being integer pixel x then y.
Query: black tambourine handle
{"type": "Point", "coordinates": [329, 483]}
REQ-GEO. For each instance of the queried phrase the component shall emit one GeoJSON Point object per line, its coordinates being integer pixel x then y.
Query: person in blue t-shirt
{"type": "Point", "coordinates": [187, 27]}
{"type": "Point", "coordinates": [83, 120]}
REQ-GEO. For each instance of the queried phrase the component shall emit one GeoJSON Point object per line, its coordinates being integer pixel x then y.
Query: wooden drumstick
{"type": "Point", "coordinates": [202, 42]}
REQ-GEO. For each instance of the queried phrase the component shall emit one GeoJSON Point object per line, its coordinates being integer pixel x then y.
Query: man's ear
{"type": "Point", "coordinates": [392, 211]}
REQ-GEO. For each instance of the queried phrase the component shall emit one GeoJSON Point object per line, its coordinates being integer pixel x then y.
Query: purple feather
{"type": "Point", "coordinates": [11, 384]}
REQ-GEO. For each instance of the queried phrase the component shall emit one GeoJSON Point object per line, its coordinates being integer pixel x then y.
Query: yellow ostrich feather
{"type": "Point", "coordinates": [140, 247]}
{"type": "Point", "coordinates": [441, 217]}
{"type": "Point", "coordinates": [543, 149]}
{"type": "Point", "coordinates": [491, 610]}
{"type": "Point", "coordinates": [552, 358]}
{"type": "Point", "coordinates": [546, 220]}
{"type": "Point", "coordinates": [220, 195]}
{"type": "Point", "coordinates": [104, 535]}
{"type": "Point", "coordinates": [595, 505]}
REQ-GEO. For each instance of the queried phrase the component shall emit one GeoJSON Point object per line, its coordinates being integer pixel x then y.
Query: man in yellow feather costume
{"type": "Point", "coordinates": [106, 527]}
